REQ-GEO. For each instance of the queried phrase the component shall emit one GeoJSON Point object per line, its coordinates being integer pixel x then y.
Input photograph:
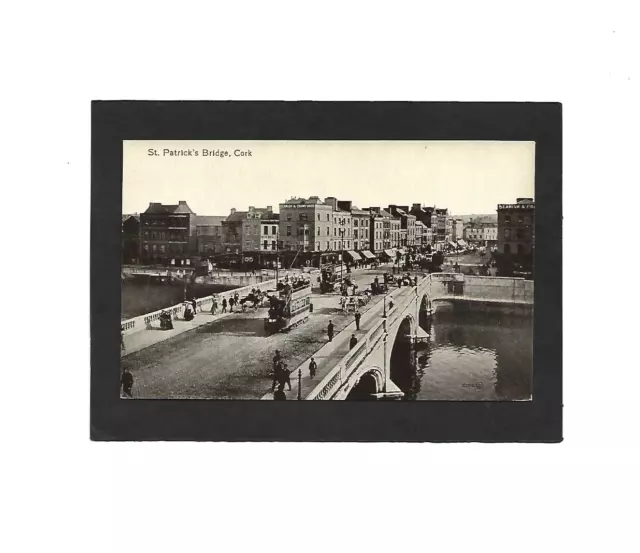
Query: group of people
{"type": "Point", "coordinates": [233, 300]}
{"type": "Point", "coordinates": [282, 375]}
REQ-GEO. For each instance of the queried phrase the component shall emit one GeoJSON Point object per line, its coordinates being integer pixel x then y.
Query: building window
{"type": "Point", "coordinates": [507, 219]}
{"type": "Point", "coordinates": [355, 222]}
{"type": "Point", "coordinates": [318, 231]}
{"type": "Point", "coordinates": [153, 248]}
{"type": "Point", "coordinates": [328, 218]}
{"type": "Point", "coordinates": [265, 245]}
{"type": "Point", "coordinates": [266, 230]}
{"type": "Point", "coordinates": [507, 234]}
{"type": "Point", "coordinates": [303, 217]}
{"type": "Point", "coordinates": [288, 216]}
{"type": "Point", "coordinates": [318, 216]}
{"type": "Point", "coordinates": [288, 230]}
{"type": "Point", "coordinates": [520, 220]}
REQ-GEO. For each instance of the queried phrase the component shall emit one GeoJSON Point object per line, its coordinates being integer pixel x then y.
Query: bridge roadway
{"type": "Point", "coordinates": [231, 357]}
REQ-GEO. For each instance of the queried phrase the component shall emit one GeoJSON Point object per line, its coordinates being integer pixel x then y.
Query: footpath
{"type": "Point", "coordinates": [145, 338]}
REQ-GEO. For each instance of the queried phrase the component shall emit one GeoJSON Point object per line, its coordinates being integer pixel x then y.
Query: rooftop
{"type": "Point", "coordinates": [210, 220]}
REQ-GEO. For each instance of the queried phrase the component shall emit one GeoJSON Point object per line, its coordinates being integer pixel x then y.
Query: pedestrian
{"type": "Point", "coordinates": [224, 305]}
{"type": "Point", "coordinates": [236, 297]}
{"type": "Point", "coordinates": [357, 316]}
{"type": "Point", "coordinates": [122, 340]}
{"type": "Point", "coordinates": [127, 382]}
{"type": "Point", "coordinates": [195, 305]}
{"type": "Point", "coordinates": [277, 360]}
{"type": "Point", "coordinates": [330, 331]}
{"type": "Point", "coordinates": [279, 395]}
{"type": "Point", "coordinates": [353, 341]}
{"type": "Point", "coordinates": [313, 367]}
{"type": "Point", "coordinates": [214, 306]}
{"type": "Point", "coordinates": [231, 304]}
{"type": "Point", "coordinates": [285, 376]}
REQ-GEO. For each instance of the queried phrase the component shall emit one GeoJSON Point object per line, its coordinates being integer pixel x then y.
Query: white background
{"type": "Point", "coordinates": [62, 492]}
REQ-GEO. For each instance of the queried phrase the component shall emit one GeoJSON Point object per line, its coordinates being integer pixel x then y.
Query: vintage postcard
{"type": "Point", "coordinates": [328, 270]}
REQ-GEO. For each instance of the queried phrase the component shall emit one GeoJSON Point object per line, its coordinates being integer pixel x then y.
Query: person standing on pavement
{"type": "Point", "coordinates": [214, 305]}
{"type": "Point", "coordinates": [357, 316]}
{"type": "Point", "coordinates": [279, 395]}
{"type": "Point", "coordinates": [313, 367]}
{"type": "Point", "coordinates": [353, 341]}
{"type": "Point", "coordinates": [330, 331]}
{"type": "Point", "coordinates": [277, 360]}
{"type": "Point", "coordinates": [127, 382]}
{"type": "Point", "coordinates": [231, 304]}
{"type": "Point", "coordinates": [122, 340]}
{"type": "Point", "coordinates": [224, 305]}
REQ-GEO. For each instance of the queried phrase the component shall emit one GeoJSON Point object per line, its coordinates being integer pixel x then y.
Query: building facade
{"type": "Point", "coordinates": [457, 230]}
{"type": "Point", "coordinates": [420, 231]}
{"type": "Point", "coordinates": [269, 231]}
{"type": "Point", "coordinates": [168, 233]}
{"type": "Point", "coordinates": [306, 224]}
{"type": "Point", "coordinates": [241, 230]}
{"type": "Point", "coordinates": [209, 234]}
{"type": "Point", "coordinates": [407, 235]}
{"type": "Point", "coordinates": [516, 227]}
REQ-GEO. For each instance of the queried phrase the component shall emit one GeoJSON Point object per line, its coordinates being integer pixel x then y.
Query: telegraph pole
{"type": "Point", "coordinates": [277, 256]}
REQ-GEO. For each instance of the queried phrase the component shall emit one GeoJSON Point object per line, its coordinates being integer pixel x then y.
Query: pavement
{"type": "Point", "coordinates": [230, 356]}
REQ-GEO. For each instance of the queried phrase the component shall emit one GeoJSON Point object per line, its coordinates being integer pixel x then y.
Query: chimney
{"type": "Point", "coordinates": [333, 202]}
{"type": "Point", "coordinates": [182, 202]}
{"type": "Point", "coordinates": [270, 208]}
{"type": "Point", "coordinates": [233, 210]}
{"type": "Point", "coordinates": [251, 209]}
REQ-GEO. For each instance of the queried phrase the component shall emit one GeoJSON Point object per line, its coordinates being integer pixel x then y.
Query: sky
{"type": "Point", "coordinates": [465, 177]}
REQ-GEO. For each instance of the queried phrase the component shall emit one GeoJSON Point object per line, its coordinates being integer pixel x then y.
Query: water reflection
{"type": "Point", "coordinates": [474, 356]}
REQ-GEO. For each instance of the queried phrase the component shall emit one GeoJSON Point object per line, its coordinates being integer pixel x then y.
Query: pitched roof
{"type": "Point", "coordinates": [126, 216]}
{"type": "Point", "coordinates": [210, 220]}
{"type": "Point", "coordinates": [180, 207]}
{"type": "Point", "coordinates": [237, 216]}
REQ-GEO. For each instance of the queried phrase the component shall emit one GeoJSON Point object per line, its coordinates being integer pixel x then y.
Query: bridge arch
{"type": "Point", "coordinates": [367, 381]}
{"type": "Point", "coordinates": [402, 363]}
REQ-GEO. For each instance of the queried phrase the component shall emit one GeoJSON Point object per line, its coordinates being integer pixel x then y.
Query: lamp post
{"type": "Point", "coordinates": [299, 384]}
{"type": "Point", "coordinates": [341, 231]}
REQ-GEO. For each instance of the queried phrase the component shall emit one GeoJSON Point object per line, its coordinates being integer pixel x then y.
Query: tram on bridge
{"type": "Point", "coordinates": [288, 307]}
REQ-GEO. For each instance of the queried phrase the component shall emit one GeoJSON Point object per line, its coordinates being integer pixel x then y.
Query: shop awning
{"type": "Point", "coordinates": [368, 254]}
{"type": "Point", "coordinates": [452, 244]}
{"type": "Point", "coordinates": [390, 253]}
{"type": "Point", "coordinates": [401, 250]}
{"type": "Point", "coordinates": [462, 243]}
{"type": "Point", "coordinates": [355, 256]}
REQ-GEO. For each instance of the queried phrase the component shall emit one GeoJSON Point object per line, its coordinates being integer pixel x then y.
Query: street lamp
{"type": "Point", "coordinates": [341, 231]}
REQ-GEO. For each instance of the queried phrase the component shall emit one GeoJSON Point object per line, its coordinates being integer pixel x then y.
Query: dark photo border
{"type": "Point", "coordinates": [538, 420]}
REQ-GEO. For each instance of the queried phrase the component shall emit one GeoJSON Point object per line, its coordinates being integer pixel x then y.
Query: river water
{"type": "Point", "coordinates": [474, 357]}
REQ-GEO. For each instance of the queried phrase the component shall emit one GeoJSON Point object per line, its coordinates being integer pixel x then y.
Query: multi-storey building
{"type": "Point", "coordinates": [457, 229]}
{"type": "Point", "coordinates": [376, 230]}
{"type": "Point", "coordinates": [306, 225]}
{"type": "Point", "coordinates": [490, 235]}
{"type": "Point", "coordinates": [441, 225]}
{"type": "Point", "coordinates": [269, 231]}
{"type": "Point", "coordinates": [427, 237]}
{"type": "Point", "coordinates": [209, 233]}
{"type": "Point", "coordinates": [168, 233]}
{"type": "Point", "coordinates": [241, 230]}
{"type": "Point", "coordinates": [359, 224]}
{"type": "Point", "coordinates": [407, 234]}
{"type": "Point", "coordinates": [342, 238]}
{"type": "Point", "coordinates": [420, 231]}
{"type": "Point", "coordinates": [395, 226]}
{"type": "Point", "coordinates": [516, 225]}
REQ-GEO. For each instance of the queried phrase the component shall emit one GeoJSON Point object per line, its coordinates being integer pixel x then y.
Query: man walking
{"type": "Point", "coordinates": [277, 360]}
{"type": "Point", "coordinates": [127, 382]}
{"type": "Point", "coordinates": [224, 305]}
{"type": "Point", "coordinates": [231, 304]}
{"type": "Point", "coordinates": [330, 331]}
{"type": "Point", "coordinates": [353, 341]}
{"type": "Point", "coordinates": [357, 316]}
{"type": "Point", "coordinates": [313, 367]}
{"type": "Point", "coordinates": [214, 305]}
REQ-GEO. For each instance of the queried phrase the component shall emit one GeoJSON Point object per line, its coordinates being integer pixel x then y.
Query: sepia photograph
{"type": "Point", "coordinates": [371, 270]}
